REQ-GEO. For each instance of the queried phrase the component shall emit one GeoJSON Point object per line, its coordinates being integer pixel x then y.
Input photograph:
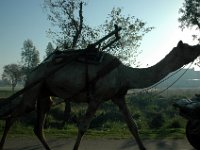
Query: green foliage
{"type": "Point", "coordinates": [155, 112]}
{"type": "Point", "coordinates": [190, 15]}
{"type": "Point", "coordinates": [49, 49]}
{"type": "Point", "coordinates": [133, 30]}
{"type": "Point", "coordinates": [176, 122]}
{"type": "Point", "coordinates": [71, 31]}
{"type": "Point", "coordinates": [156, 121]}
{"type": "Point", "coordinates": [12, 73]}
{"type": "Point", "coordinates": [5, 93]}
{"type": "Point", "coordinates": [29, 56]}
{"type": "Point", "coordinates": [155, 118]}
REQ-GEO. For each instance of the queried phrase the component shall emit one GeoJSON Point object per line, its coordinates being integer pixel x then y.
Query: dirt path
{"type": "Point", "coordinates": [96, 144]}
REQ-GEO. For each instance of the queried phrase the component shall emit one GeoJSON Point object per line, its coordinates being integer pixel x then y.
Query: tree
{"type": "Point", "coordinates": [133, 30]}
{"type": "Point", "coordinates": [190, 16]}
{"type": "Point", "coordinates": [29, 56]}
{"type": "Point", "coordinates": [71, 31]}
{"type": "Point", "coordinates": [12, 73]}
{"type": "Point", "coordinates": [49, 49]}
{"type": "Point", "coordinates": [67, 18]}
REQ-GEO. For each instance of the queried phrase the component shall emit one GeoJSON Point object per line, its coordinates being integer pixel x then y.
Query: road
{"type": "Point", "coordinates": [31, 143]}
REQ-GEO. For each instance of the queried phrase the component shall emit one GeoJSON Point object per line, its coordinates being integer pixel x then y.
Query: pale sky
{"type": "Point", "coordinates": [25, 19]}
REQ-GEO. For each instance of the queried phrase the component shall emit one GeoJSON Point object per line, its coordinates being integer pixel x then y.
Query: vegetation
{"type": "Point", "coordinates": [12, 74]}
{"type": "Point", "coordinates": [70, 29]}
{"type": "Point", "coordinates": [155, 116]}
{"type": "Point", "coordinates": [49, 49]}
{"type": "Point", "coordinates": [29, 56]}
{"type": "Point", "coordinates": [190, 16]}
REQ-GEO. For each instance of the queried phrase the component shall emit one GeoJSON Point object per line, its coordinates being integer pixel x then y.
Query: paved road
{"type": "Point", "coordinates": [96, 144]}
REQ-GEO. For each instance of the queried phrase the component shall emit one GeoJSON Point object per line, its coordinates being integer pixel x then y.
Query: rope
{"type": "Point", "coordinates": [166, 78]}
{"type": "Point", "coordinates": [154, 95]}
{"type": "Point", "coordinates": [163, 80]}
{"type": "Point", "coordinates": [172, 82]}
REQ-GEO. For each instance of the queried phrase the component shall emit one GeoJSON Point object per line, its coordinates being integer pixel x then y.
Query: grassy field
{"type": "Point", "coordinates": [6, 90]}
{"type": "Point", "coordinates": [156, 118]}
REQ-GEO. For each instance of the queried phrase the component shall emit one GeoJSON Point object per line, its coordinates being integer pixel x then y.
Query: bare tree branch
{"type": "Point", "coordinates": [78, 33]}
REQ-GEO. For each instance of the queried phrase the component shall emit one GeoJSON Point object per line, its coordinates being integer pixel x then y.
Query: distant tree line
{"type": "Point", "coordinates": [30, 58]}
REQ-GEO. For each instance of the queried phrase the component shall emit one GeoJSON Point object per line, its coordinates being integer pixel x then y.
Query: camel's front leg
{"type": "Point", "coordinates": [43, 106]}
{"type": "Point", "coordinates": [129, 120]}
{"type": "Point", "coordinates": [8, 124]}
{"type": "Point", "coordinates": [85, 122]}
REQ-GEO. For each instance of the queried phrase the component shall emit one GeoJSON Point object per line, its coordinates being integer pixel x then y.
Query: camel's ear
{"type": "Point", "coordinates": [180, 44]}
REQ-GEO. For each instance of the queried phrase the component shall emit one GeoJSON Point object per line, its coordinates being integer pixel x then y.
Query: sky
{"type": "Point", "coordinates": [26, 19]}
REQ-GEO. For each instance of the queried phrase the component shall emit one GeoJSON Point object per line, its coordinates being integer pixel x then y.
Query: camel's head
{"type": "Point", "coordinates": [186, 53]}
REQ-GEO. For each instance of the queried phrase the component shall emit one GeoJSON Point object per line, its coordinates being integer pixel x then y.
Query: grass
{"type": "Point", "coordinates": [116, 132]}
{"type": "Point", "coordinates": [163, 134]}
{"type": "Point", "coordinates": [6, 91]}
{"type": "Point", "coordinates": [107, 129]}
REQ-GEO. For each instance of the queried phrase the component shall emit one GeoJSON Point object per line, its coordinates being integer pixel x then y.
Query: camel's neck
{"type": "Point", "coordinates": [144, 77]}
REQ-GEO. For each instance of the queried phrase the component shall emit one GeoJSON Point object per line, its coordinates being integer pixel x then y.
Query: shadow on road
{"type": "Point", "coordinates": [167, 144]}
{"type": "Point", "coordinates": [96, 144]}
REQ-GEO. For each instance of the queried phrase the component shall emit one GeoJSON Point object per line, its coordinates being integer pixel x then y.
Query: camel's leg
{"type": "Point", "coordinates": [43, 106]}
{"type": "Point", "coordinates": [85, 122]}
{"type": "Point", "coordinates": [129, 120]}
{"type": "Point", "coordinates": [8, 124]}
{"type": "Point", "coordinates": [18, 110]}
{"type": "Point", "coordinates": [67, 112]}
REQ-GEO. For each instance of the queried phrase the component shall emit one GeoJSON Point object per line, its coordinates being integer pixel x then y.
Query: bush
{"type": "Point", "coordinates": [156, 121]}
{"type": "Point", "coordinates": [176, 122]}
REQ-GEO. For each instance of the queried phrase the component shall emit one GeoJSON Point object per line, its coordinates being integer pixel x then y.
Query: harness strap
{"type": "Point", "coordinates": [87, 76]}
{"type": "Point", "coordinates": [101, 73]}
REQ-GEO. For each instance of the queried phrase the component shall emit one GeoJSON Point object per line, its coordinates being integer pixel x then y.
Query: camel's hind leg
{"type": "Point", "coordinates": [85, 122]}
{"type": "Point", "coordinates": [8, 124]}
{"type": "Point", "coordinates": [129, 120]}
{"type": "Point", "coordinates": [43, 106]}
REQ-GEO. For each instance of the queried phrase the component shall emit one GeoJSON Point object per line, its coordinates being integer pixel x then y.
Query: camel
{"type": "Point", "coordinates": [69, 81]}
